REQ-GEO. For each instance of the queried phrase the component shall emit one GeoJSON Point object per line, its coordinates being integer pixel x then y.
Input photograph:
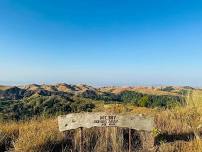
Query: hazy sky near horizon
{"type": "Point", "coordinates": [101, 42]}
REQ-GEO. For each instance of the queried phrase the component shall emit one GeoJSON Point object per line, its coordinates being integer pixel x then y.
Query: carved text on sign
{"type": "Point", "coordinates": [109, 120]}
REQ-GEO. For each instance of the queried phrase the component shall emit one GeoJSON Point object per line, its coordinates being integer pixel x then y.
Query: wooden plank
{"type": "Point", "coordinates": [101, 119]}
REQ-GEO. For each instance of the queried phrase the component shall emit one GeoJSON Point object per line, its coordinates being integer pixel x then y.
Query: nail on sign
{"type": "Point", "coordinates": [100, 119]}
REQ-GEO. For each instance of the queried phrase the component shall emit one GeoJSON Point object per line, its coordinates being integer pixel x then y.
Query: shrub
{"type": "Point", "coordinates": [143, 102]}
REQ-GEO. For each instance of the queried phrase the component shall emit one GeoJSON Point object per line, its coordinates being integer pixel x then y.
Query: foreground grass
{"type": "Point", "coordinates": [41, 135]}
{"type": "Point", "coordinates": [33, 135]}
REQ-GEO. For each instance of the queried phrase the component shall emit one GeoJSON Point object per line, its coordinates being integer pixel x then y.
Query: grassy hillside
{"type": "Point", "coordinates": [40, 134]}
{"type": "Point", "coordinates": [18, 103]}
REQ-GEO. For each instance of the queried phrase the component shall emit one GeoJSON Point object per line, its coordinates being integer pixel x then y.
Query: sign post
{"type": "Point", "coordinates": [101, 119]}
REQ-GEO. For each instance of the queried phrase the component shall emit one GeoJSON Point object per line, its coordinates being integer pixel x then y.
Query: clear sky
{"type": "Point", "coordinates": [101, 42]}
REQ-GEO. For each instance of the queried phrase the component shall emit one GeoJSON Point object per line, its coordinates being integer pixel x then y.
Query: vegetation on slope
{"type": "Point", "coordinates": [40, 135]}
{"type": "Point", "coordinates": [38, 105]}
{"type": "Point", "coordinates": [176, 112]}
{"type": "Point", "coordinates": [47, 100]}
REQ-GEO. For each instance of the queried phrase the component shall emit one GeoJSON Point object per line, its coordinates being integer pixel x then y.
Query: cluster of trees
{"type": "Point", "coordinates": [148, 100]}
{"type": "Point", "coordinates": [140, 99]}
{"type": "Point", "coordinates": [42, 106]}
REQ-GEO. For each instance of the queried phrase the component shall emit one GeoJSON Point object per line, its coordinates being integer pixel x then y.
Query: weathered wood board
{"type": "Point", "coordinates": [101, 119]}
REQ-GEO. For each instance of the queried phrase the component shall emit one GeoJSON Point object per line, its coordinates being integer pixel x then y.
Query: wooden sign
{"type": "Point", "coordinates": [100, 119]}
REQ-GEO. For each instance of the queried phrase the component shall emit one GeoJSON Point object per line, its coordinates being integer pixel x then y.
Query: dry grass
{"type": "Point", "coordinates": [38, 135]}
{"type": "Point", "coordinates": [8, 134]}
{"type": "Point", "coordinates": [32, 136]}
{"type": "Point", "coordinates": [4, 87]}
{"type": "Point", "coordinates": [182, 120]}
{"type": "Point", "coordinates": [146, 90]}
{"type": "Point", "coordinates": [179, 146]}
{"type": "Point", "coordinates": [41, 135]}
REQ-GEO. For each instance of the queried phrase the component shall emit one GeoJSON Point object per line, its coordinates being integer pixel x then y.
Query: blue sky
{"type": "Point", "coordinates": [108, 42]}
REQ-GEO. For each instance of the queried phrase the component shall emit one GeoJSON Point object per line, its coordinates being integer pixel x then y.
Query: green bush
{"type": "Point", "coordinates": [168, 89]}
{"type": "Point", "coordinates": [143, 102]}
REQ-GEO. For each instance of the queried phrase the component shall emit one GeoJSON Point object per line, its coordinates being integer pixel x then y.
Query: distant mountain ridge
{"type": "Point", "coordinates": [19, 92]}
{"type": "Point", "coordinates": [67, 90]}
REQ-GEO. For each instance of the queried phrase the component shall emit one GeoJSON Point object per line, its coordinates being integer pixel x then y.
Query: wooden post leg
{"type": "Point", "coordinates": [64, 138]}
{"type": "Point", "coordinates": [114, 136]}
{"type": "Point", "coordinates": [62, 147]}
{"type": "Point", "coordinates": [75, 141]}
{"type": "Point", "coordinates": [107, 136]}
{"type": "Point", "coordinates": [129, 140]}
{"type": "Point", "coordinates": [81, 139]}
